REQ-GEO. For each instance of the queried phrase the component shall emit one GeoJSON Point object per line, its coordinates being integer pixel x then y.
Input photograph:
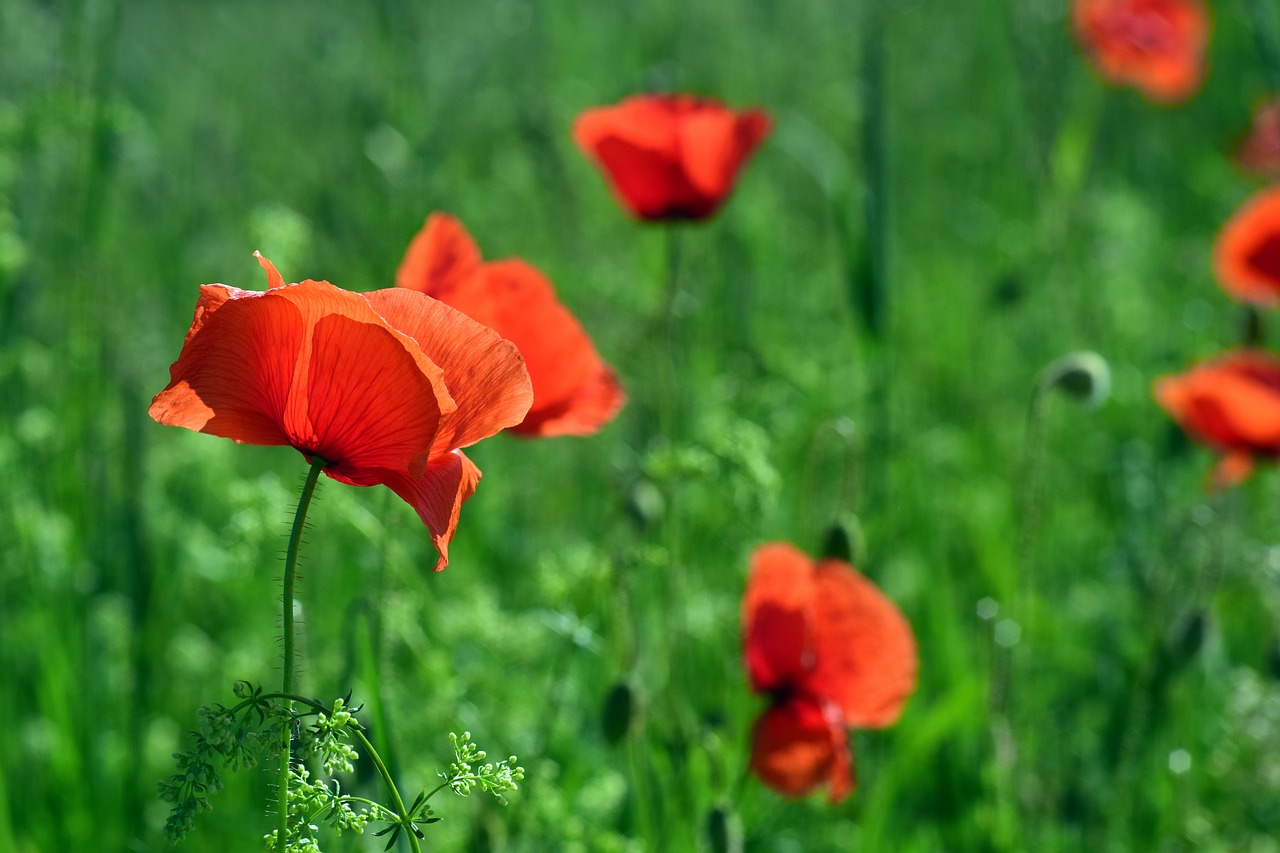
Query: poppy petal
{"type": "Point", "coordinates": [864, 650]}
{"type": "Point", "coordinates": [799, 745]}
{"type": "Point", "coordinates": [1230, 403]}
{"type": "Point", "coordinates": [1246, 254]}
{"type": "Point", "coordinates": [485, 373]}
{"type": "Point", "coordinates": [439, 257]}
{"type": "Point", "coordinates": [274, 279]}
{"type": "Point", "coordinates": [369, 403]}
{"type": "Point", "coordinates": [715, 143]}
{"type": "Point", "coordinates": [233, 375]}
{"type": "Point", "coordinates": [1232, 470]}
{"type": "Point", "coordinates": [670, 156]}
{"type": "Point", "coordinates": [777, 615]}
{"type": "Point", "coordinates": [438, 495]}
{"type": "Point", "coordinates": [1156, 46]}
{"type": "Point", "coordinates": [574, 391]}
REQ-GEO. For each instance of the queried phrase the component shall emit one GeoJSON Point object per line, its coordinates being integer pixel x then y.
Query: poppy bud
{"type": "Point", "coordinates": [645, 504]}
{"type": "Point", "coordinates": [845, 541]}
{"type": "Point", "coordinates": [1083, 375]}
{"type": "Point", "coordinates": [1187, 638]}
{"type": "Point", "coordinates": [617, 712]}
{"type": "Point", "coordinates": [724, 830]}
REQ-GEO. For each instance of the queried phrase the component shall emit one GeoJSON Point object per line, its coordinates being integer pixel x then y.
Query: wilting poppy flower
{"type": "Point", "coordinates": [1156, 46]}
{"type": "Point", "coordinates": [1260, 151]}
{"type": "Point", "coordinates": [1230, 403]}
{"type": "Point", "coordinates": [670, 156]}
{"type": "Point", "coordinates": [385, 386]}
{"type": "Point", "coordinates": [1246, 256]}
{"type": "Point", "coordinates": [833, 653]}
{"type": "Point", "coordinates": [574, 391]}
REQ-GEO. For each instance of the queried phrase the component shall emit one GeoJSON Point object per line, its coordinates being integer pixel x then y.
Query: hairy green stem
{"type": "Point", "coordinates": [286, 627]}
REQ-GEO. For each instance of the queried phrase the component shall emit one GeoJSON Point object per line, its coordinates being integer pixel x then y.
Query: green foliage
{"type": "Point", "coordinates": [148, 147]}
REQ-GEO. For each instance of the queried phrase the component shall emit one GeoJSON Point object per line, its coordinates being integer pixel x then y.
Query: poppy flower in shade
{"type": "Point", "coordinates": [1156, 46]}
{"type": "Point", "coordinates": [833, 653]}
{"type": "Point", "coordinates": [1246, 256]}
{"type": "Point", "coordinates": [574, 391]}
{"type": "Point", "coordinates": [670, 156]}
{"type": "Point", "coordinates": [385, 387]}
{"type": "Point", "coordinates": [1259, 153]}
{"type": "Point", "coordinates": [1230, 403]}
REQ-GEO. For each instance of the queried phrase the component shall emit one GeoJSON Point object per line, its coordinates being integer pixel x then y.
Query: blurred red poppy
{"type": "Point", "coordinates": [670, 156]}
{"type": "Point", "coordinates": [1230, 403]}
{"type": "Point", "coordinates": [1156, 46]}
{"type": "Point", "coordinates": [384, 386]}
{"type": "Point", "coordinates": [1246, 256]}
{"type": "Point", "coordinates": [574, 391]}
{"type": "Point", "coordinates": [833, 652]}
{"type": "Point", "coordinates": [1260, 151]}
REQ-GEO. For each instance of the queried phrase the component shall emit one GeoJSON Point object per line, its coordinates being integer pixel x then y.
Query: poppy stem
{"type": "Point", "coordinates": [286, 623]}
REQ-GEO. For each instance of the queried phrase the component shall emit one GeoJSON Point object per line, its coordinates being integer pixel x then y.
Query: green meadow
{"type": "Point", "coordinates": [950, 201]}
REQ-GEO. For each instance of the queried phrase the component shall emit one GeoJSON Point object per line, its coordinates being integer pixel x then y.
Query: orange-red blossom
{"type": "Point", "coordinates": [385, 387]}
{"type": "Point", "coordinates": [1156, 46]}
{"type": "Point", "coordinates": [574, 391]}
{"type": "Point", "coordinates": [1231, 404]}
{"type": "Point", "coordinates": [833, 653]}
{"type": "Point", "coordinates": [670, 156]}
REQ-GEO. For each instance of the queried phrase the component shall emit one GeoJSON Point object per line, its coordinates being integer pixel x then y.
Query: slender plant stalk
{"type": "Point", "coordinates": [286, 623]}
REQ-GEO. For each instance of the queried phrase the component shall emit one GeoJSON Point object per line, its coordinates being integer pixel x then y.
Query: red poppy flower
{"type": "Point", "coordinates": [1260, 151]}
{"type": "Point", "coordinates": [574, 392]}
{"type": "Point", "coordinates": [384, 386]}
{"type": "Point", "coordinates": [670, 156]}
{"type": "Point", "coordinates": [1232, 404]}
{"type": "Point", "coordinates": [1246, 256]}
{"type": "Point", "coordinates": [1157, 46]}
{"type": "Point", "coordinates": [833, 652]}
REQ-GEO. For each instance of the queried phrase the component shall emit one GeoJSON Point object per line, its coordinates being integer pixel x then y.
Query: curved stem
{"type": "Point", "coordinates": [396, 800]}
{"type": "Point", "coordinates": [286, 623]}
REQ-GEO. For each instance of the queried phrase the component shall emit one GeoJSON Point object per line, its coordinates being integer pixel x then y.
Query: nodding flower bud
{"type": "Point", "coordinates": [845, 540]}
{"type": "Point", "coordinates": [618, 711]}
{"type": "Point", "coordinates": [724, 830]}
{"type": "Point", "coordinates": [1083, 375]}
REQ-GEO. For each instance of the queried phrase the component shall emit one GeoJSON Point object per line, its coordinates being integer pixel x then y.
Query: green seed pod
{"type": "Point", "coordinates": [617, 712]}
{"type": "Point", "coordinates": [1082, 375]}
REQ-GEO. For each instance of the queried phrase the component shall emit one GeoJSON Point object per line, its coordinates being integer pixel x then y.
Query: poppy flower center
{"type": "Point", "coordinates": [1264, 259]}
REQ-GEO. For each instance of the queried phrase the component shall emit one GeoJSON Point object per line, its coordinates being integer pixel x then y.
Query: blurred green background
{"type": "Point", "coordinates": [1098, 636]}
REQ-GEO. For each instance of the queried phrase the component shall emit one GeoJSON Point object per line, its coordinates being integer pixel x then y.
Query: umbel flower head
{"type": "Point", "coordinates": [670, 156]}
{"type": "Point", "coordinates": [1156, 46]}
{"type": "Point", "coordinates": [1246, 256]}
{"type": "Point", "coordinates": [385, 387]}
{"type": "Point", "coordinates": [574, 391]}
{"type": "Point", "coordinates": [833, 653]}
{"type": "Point", "coordinates": [1231, 404]}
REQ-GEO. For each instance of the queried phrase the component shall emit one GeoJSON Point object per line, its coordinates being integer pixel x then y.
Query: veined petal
{"type": "Point", "coordinates": [236, 368]}
{"type": "Point", "coordinates": [485, 373]}
{"type": "Point", "coordinates": [437, 496]}
{"type": "Point", "coordinates": [864, 650]}
{"type": "Point", "coordinates": [439, 257]}
{"type": "Point", "coordinates": [777, 617]}
{"type": "Point", "coordinates": [799, 745]}
{"type": "Point", "coordinates": [369, 402]}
